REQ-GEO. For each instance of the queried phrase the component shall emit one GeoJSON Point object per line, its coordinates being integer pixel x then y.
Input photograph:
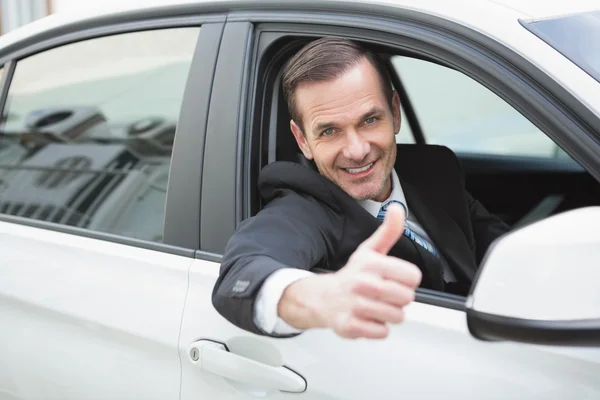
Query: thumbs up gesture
{"type": "Point", "coordinates": [363, 297]}
{"type": "Point", "coordinates": [373, 288]}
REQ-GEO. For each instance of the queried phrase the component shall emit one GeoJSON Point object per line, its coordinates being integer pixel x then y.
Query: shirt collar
{"type": "Point", "coordinates": [397, 194]}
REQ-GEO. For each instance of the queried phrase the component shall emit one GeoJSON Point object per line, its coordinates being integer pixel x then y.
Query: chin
{"type": "Point", "coordinates": [367, 189]}
{"type": "Point", "coordinates": [361, 194]}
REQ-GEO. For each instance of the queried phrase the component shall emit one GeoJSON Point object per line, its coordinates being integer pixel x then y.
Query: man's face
{"type": "Point", "coordinates": [349, 131]}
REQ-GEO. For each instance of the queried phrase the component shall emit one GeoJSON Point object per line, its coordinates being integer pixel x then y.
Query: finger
{"type": "Point", "coordinates": [386, 291]}
{"type": "Point", "coordinates": [353, 328]}
{"type": "Point", "coordinates": [392, 268]}
{"type": "Point", "coordinates": [389, 232]}
{"type": "Point", "coordinates": [366, 308]}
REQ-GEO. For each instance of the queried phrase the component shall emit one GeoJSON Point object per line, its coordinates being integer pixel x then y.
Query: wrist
{"type": "Point", "coordinates": [302, 305]}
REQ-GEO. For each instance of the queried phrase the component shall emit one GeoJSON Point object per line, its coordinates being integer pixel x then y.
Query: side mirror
{"type": "Point", "coordinates": [541, 283]}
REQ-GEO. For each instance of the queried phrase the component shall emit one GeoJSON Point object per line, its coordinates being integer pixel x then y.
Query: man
{"type": "Point", "coordinates": [344, 118]}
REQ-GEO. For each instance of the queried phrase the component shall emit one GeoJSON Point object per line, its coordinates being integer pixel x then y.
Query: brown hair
{"type": "Point", "coordinates": [326, 59]}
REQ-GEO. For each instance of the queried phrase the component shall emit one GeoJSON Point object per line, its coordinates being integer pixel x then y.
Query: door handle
{"type": "Point", "coordinates": [215, 358]}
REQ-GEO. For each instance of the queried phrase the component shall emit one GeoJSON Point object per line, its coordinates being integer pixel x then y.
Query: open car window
{"type": "Point", "coordinates": [456, 111]}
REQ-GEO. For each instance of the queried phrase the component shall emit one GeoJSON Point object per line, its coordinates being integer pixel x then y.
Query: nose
{"type": "Point", "coordinates": [356, 147]}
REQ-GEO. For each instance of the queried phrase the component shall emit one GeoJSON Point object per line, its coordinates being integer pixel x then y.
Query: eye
{"type": "Point", "coordinates": [327, 132]}
{"type": "Point", "coordinates": [370, 120]}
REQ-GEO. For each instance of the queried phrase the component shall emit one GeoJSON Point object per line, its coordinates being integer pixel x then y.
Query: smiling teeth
{"type": "Point", "coordinates": [359, 170]}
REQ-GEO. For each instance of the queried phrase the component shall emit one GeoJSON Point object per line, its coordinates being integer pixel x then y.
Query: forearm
{"type": "Point", "coordinates": [274, 240]}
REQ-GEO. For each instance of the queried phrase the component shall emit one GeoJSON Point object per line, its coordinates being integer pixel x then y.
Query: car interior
{"type": "Point", "coordinates": [520, 189]}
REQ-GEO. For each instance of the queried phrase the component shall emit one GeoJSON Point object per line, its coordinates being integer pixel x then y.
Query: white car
{"type": "Point", "coordinates": [131, 143]}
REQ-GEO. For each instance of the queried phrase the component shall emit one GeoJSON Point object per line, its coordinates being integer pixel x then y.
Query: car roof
{"type": "Point", "coordinates": [469, 12]}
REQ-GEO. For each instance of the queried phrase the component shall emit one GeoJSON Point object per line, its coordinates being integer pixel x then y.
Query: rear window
{"type": "Point", "coordinates": [576, 36]}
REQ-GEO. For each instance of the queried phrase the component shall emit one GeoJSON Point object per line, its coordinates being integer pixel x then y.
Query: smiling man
{"type": "Point", "coordinates": [383, 218]}
{"type": "Point", "coordinates": [347, 127]}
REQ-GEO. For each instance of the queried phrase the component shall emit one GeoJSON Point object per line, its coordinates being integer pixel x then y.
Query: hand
{"type": "Point", "coordinates": [364, 296]}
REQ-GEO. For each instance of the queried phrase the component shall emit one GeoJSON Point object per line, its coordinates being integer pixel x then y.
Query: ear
{"type": "Point", "coordinates": [396, 112]}
{"type": "Point", "coordinates": [301, 139]}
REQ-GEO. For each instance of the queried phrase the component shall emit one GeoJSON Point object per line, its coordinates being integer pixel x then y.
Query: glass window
{"type": "Point", "coordinates": [456, 111]}
{"type": "Point", "coordinates": [575, 36]}
{"type": "Point", "coordinates": [89, 128]}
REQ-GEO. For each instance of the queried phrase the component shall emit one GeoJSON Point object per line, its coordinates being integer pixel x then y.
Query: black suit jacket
{"type": "Point", "coordinates": [308, 222]}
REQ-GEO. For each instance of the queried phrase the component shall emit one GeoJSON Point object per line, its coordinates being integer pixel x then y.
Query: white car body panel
{"type": "Point", "coordinates": [429, 356]}
{"type": "Point", "coordinates": [87, 319]}
{"type": "Point", "coordinates": [571, 255]}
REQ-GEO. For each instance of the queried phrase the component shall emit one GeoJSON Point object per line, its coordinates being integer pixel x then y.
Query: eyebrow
{"type": "Point", "coordinates": [320, 127]}
{"type": "Point", "coordinates": [372, 112]}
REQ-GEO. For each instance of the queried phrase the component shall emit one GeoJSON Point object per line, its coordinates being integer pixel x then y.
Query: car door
{"type": "Point", "coordinates": [92, 283]}
{"type": "Point", "coordinates": [430, 355]}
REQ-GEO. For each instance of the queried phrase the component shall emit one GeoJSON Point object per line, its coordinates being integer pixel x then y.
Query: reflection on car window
{"type": "Point", "coordinates": [88, 131]}
{"type": "Point", "coordinates": [457, 111]}
{"type": "Point", "coordinates": [575, 36]}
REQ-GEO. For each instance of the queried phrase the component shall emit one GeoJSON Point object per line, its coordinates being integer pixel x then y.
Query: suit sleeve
{"type": "Point", "coordinates": [486, 227]}
{"type": "Point", "coordinates": [290, 232]}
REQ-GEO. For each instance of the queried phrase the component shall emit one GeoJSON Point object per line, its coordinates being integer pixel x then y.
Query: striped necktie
{"type": "Point", "coordinates": [408, 231]}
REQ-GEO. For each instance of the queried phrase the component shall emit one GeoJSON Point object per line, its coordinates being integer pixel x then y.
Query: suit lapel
{"type": "Point", "coordinates": [443, 231]}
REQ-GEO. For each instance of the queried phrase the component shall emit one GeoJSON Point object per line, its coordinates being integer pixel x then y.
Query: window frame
{"type": "Point", "coordinates": [410, 114]}
{"type": "Point", "coordinates": [181, 220]}
{"type": "Point", "coordinates": [542, 117]}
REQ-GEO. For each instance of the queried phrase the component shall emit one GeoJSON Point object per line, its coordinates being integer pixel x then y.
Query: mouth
{"type": "Point", "coordinates": [360, 171]}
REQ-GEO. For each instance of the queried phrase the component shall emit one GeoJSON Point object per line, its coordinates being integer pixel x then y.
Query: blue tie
{"type": "Point", "coordinates": [407, 230]}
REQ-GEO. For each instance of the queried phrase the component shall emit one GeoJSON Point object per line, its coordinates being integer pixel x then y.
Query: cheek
{"type": "Point", "coordinates": [326, 154]}
{"type": "Point", "coordinates": [384, 139]}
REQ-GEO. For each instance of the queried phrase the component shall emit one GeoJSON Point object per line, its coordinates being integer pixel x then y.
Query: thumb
{"type": "Point", "coordinates": [389, 232]}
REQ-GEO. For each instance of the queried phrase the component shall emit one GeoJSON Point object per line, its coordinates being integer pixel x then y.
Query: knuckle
{"type": "Point", "coordinates": [348, 328]}
{"type": "Point", "coordinates": [411, 296]}
{"type": "Point", "coordinates": [353, 328]}
{"type": "Point", "coordinates": [417, 275]}
{"type": "Point", "coordinates": [412, 274]}
{"type": "Point", "coordinates": [359, 259]}
{"type": "Point", "coordinates": [366, 265]}
{"type": "Point", "coordinates": [368, 286]}
{"type": "Point", "coordinates": [357, 285]}
{"type": "Point", "coordinates": [341, 325]}
{"type": "Point", "coordinates": [406, 296]}
{"type": "Point", "coordinates": [358, 307]}
{"type": "Point", "coordinates": [401, 295]}
{"type": "Point", "coordinates": [377, 291]}
{"type": "Point", "coordinates": [398, 316]}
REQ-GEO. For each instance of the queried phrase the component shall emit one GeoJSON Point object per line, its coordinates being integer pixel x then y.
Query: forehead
{"type": "Point", "coordinates": [352, 93]}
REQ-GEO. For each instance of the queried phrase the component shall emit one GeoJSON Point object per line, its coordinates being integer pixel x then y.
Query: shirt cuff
{"type": "Point", "coordinates": [266, 316]}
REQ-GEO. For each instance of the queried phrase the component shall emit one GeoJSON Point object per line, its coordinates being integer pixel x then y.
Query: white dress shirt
{"type": "Point", "coordinates": [266, 316]}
